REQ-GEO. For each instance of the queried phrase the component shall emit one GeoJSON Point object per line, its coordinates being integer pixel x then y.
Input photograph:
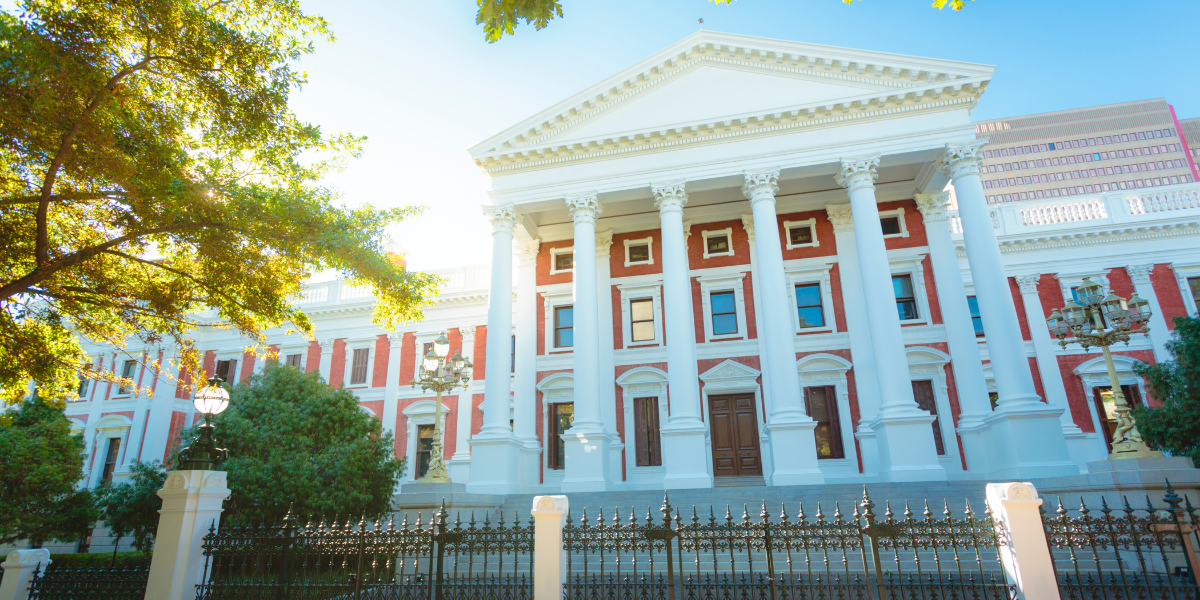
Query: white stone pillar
{"type": "Point", "coordinates": [525, 373]}
{"type": "Point", "coordinates": [904, 432]}
{"type": "Point", "coordinates": [608, 370]}
{"type": "Point", "coordinates": [326, 364]}
{"type": "Point", "coordinates": [1026, 556]}
{"type": "Point", "coordinates": [549, 515]}
{"type": "Point", "coordinates": [1030, 440]}
{"type": "Point", "coordinates": [684, 456]}
{"type": "Point", "coordinates": [459, 465]}
{"type": "Point", "coordinates": [1159, 334]}
{"type": "Point", "coordinates": [866, 379]}
{"type": "Point", "coordinates": [793, 445]}
{"type": "Point", "coordinates": [756, 287]}
{"type": "Point", "coordinates": [960, 333]}
{"type": "Point", "coordinates": [18, 572]}
{"type": "Point", "coordinates": [192, 504]}
{"type": "Point", "coordinates": [158, 428]}
{"type": "Point", "coordinates": [138, 430]}
{"type": "Point", "coordinates": [586, 443]}
{"type": "Point", "coordinates": [494, 449]}
{"type": "Point", "coordinates": [391, 387]}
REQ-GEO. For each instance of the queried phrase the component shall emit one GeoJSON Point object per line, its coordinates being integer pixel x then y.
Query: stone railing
{"type": "Point", "coordinates": [337, 291]}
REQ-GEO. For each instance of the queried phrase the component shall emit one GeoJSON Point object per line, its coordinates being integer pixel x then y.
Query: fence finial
{"type": "Point", "coordinates": [1171, 497]}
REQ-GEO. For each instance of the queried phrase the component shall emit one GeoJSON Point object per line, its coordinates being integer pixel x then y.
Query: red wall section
{"type": "Point", "coordinates": [454, 336]}
{"type": "Point", "coordinates": [543, 263]}
{"type": "Point", "coordinates": [935, 307]}
{"type": "Point", "coordinates": [1049, 293]}
{"type": "Point", "coordinates": [177, 419]}
{"type": "Point", "coordinates": [477, 413]}
{"type": "Point", "coordinates": [541, 325]}
{"type": "Point", "coordinates": [740, 242]}
{"type": "Point", "coordinates": [313, 362]}
{"type": "Point", "coordinates": [210, 363]}
{"type": "Point", "coordinates": [835, 288]}
{"type": "Point", "coordinates": [824, 231]}
{"type": "Point", "coordinates": [383, 353]}
{"type": "Point", "coordinates": [1120, 283]}
{"type": "Point", "coordinates": [1170, 300]}
{"type": "Point", "coordinates": [618, 334]}
{"type": "Point", "coordinates": [337, 364]}
{"type": "Point", "coordinates": [751, 325]}
{"type": "Point", "coordinates": [408, 357]}
{"type": "Point", "coordinates": [248, 360]}
{"type": "Point", "coordinates": [913, 222]}
{"type": "Point", "coordinates": [697, 310]}
{"type": "Point", "coordinates": [1019, 304]}
{"type": "Point", "coordinates": [376, 407]}
{"type": "Point", "coordinates": [616, 257]}
{"type": "Point", "coordinates": [479, 359]}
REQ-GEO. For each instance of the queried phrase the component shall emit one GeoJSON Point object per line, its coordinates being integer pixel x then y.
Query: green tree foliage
{"type": "Point", "coordinates": [295, 441]}
{"type": "Point", "coordinates": [41, 462]}
{"type": "Point", "coordinates": [150, 169]}
{"type": "Point", "coordinates": [130, 508]}
{"type": "Point", "coordinates": [1174, 426]}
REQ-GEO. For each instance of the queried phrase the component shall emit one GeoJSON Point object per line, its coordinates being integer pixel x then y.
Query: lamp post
{"type": "Point", "coordinates": [441, 375]}
{"type": "Point", "coordinates": [1081, 322]}
{"type": "Point", "coordinates": [203, 454]}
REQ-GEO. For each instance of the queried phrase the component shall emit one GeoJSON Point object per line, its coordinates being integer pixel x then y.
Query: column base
{"type": "Point", "coordinates": [868, 446]}
{"type": "Point", "coordinates": [616, 458]}
{"type": "Point", "coordinates": [587, 461]}
{"type": "Point", "coordinates": [459, 467]}
{"type": "Point", "coordinates": [973, 433]}
{"type": "Point", "coordinates": [906, 448]}
{"type": "Point", "coordinates": [794, 453]}
{"type": "Point", "coordinates": [495, 464]}
{"type": "Point", "coordinates": [685, 457]}
{"type": "Point", "coordinates": [1028, 442]}
{"type": "Point", "coordinates": [529, 462]}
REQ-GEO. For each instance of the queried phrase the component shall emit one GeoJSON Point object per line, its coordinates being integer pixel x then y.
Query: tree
{"type": "Point", "coordinates": [499, 17]}
{"type": "Point", "coordinates": [131, 508]}
{"type": "Point", "coordinates": [42, 462]}
{"type": "Point", "coordinates": [296, 442]}
{"type": "Point", "coordinates": [1174, 426]}
{"type": "Point", "coordinates": [150, 169]}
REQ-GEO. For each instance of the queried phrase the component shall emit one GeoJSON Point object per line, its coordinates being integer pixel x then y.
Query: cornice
{"type": "Point", "coordinates": [1091, 237]}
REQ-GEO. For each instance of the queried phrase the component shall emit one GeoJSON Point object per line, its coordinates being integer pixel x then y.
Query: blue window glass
{"type": "Point", "coordinates": [906, 303]}
{"type": "Point", "coordinates": [724, 313]}
{"type": "Point", "coordinates": [976, 320]}
{"type": "Point", "coordinates": [564, 326]}
{"type": "Point", "coordinates": [808, 305]}
{"type": "Point", "coordinates": [1095, 156]}
{"type": "Point", "coordinates": [1052, 146]}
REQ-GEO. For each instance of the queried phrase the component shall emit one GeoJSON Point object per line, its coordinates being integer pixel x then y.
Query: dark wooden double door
{"type": "Point", "coordinates": [734, 436]}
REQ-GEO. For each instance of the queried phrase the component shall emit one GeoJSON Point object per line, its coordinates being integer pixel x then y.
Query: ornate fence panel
{"type": "Point", "coordinates": [127, 583]}
{"type": "Point", "coordinates": [370, 560]}
{"type": "Point", "coordinates": [1125, 553]}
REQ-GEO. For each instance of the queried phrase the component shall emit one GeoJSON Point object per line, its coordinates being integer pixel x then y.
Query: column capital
{"type": "Point", "coordinates": [327, 343]}
{"type": "Point", "coordinates": [933, 206]}
{"type": "Point", "coordinates": [502, 217]}
{"type": "Point", "coordinates": [858, 172]}
{"type": "Point", "coordinates": [584, 209]}
{"type": "Point", "coordinates": [840, 215]}
{"type": "Point", "coordinates": [1139, 273]}
{"type": "Point", "coordinates": [761, 185]}
{"type": "Point", "coordinates": [467, 333]}
{"type": "Point", "coordinates": [395, 338]}
{"type": "Point", "coordinates": [748, 225]}
{"type": "Point", "coordinates": [963, 159]}
{"type": "Point", "coordinates": [669, 197]}
{"type": "Point", "coordinates": [603, 242]}
{"type": "Point", "coordinates": [1028, 283]}
{"type": "Point", "coordinates": [527, 251]}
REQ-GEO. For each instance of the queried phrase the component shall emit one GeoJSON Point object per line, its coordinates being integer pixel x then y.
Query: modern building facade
{"type": "Point", "coordinates": [804, 278]}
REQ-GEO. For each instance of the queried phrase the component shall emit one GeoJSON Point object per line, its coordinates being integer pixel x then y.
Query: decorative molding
{"type": "Point", "coordinates": [1140, 274]}
{"type": "Point", "coordinates": [527, 251]}
{"type": "Point", "coordinates": [1028, 283]}
{"type": "Point", "coordinates": [858, 173]}
{"type": "Point", "coordinates": [933, 207]}
{"type": "Point", "coordinates": [963, 159]}
{"type": "Point", "coordinates": [669, 197]}
{"type": "Point", "coordinates": [468, 334]}
{"type": "Point", "coordinates": [584, 209]}
{"type": "Point", "coordinates": [1092, 237]}
{"type": "Point", "coordinates": [502, 217]}
{"type": "Point", "coordinates": [395, 339]}
{"type": "Point", "coordinates": [840, 215]}
{"type": "Point", "coordinates": [603, 242]}
{"type": "Point", "coordinates": [760, 186]}
{"type": "Point", "coordinates": [748, 225]}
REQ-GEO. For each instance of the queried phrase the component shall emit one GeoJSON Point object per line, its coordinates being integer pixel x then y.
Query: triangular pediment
{"type": "Point", "coordinates": [729, 369]}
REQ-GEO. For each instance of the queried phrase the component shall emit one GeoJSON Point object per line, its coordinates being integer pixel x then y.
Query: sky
{"type": "Point", "coordinates": [419, 81]}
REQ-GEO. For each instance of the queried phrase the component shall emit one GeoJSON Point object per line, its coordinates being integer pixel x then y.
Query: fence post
{"type": "Point", "coordinates": [192, 503]}
{"type": "Point", "coordinates": [550, 559]}
{"type": "Point", "coordinates": [18, 572]}
{"type": "Point", "coordinates": [1026, 554]}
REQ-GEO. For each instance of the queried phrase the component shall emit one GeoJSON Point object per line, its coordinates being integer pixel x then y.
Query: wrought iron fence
{"type": "Point", "coordinates": [791, 556]}
{"type": "Point", "coordinates": [371, 559]}
{"type": "Point", "coordinates": [1116, 554]}
{"type": "Point", "coordinates": [125, 583]}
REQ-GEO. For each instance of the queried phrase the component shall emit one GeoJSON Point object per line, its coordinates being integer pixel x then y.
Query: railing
{"type": "Point", "coordinates": [127, 583]}
{"type": "Point", "coordinates": [475, 277]}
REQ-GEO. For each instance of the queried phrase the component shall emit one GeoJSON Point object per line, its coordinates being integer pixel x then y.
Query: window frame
{"type": "Point", "coordinates": [713, 314]}
{"type": "Point", "coordinates": [236, 364]}
{"type": "Point", "coordinates": [899, 213]}
{"type": "Point", "coordinates": [787, 233]}
{"type": "Point", "coordinates": [733, 282]}
{"type": "Point", "coordinates": [976, 316]}
{"type": "Point", "coordinates": [112, 458]}
{"type": "Point", "coordinates": [556, 456]}
{"type": "Point", "coordinates": [803, 273]}
{"type": "Point", "coordinates": [631, 292]}
{"type": "Point", "coordinates": [648, 241]}
{"type": "Point", "coordinates": [123, 390]}
{"type": "Point", "coordinates": [302, 350]}
{"type": "Point", "coordinates": [820, 306]}
{"type": "Point", "coordinates": [912, 264]}
{"type": "Point", "coordinates": [727, 232]}
{"type": "Point", "coordinates": [913, 287]}
{"type": "Point", "coordinates": [557, 327]}
{"type": "Point", "coordinates": [1184, 272]}
{"type": "Point", "coordinates": [554, 254]}
{"type": "Point", "coordinates": [633, 321]}
{"type": "Point", "coordinates": [834, 423]}
{"type": "Point", "coordinates": [348, 372]}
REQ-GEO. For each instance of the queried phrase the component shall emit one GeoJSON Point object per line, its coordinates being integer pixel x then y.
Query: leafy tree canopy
{"type": "Point", "coordinates": [295, 441]}
{"type": "Point", "coordinates": [130, 508]}
{"type": "Point", "coordinates": [150, 169]}
{"type": "Point", "coordinates": [41, 463]}
{"type": "Point", "coordinates": [1174, 426]}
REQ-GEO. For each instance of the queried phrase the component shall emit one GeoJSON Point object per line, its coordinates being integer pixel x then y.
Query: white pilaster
{"type": "Point", "coordinates": [525, 373]}
{"type": "Point", "coordinates": [326, 364]}
{"type": "Point", "coordinates": [903, 431]}
{"type": "Point", "coordinates": [138, 430]}
{"type": "Point", "coordinates": [191, 505]}
{"type": "Point", "coordinates": [586, 442]}
{"type": "Point", "coordinates": [154, 444]}
{"type": "Point", "coordinates": [19, 567]}
{"type": "Point", "coordinates": [756, 286]}
{"type": "Point", "coordinates": [793, 445]}
{"type": "Point", "coordinates": [391, 387]}
{"type": "Point", "coordinates": [494, 450]}
{"type": "Point", "coordinates": [459, 465]}
{"type": "Point", "coordinates": [608, 371]}
{"type": "Point", "coordinates": [1159, 334]}
{"type": "Point", "coordinates": [684, 456]}
{"type": "Point", "coordinates": [549, 514]}
{"type": "Point", "coordinates": [1026, 557]}
{"type": "Point", "coordinates": [1033, 443]}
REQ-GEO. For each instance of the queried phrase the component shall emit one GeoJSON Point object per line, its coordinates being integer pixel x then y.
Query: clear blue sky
{"type": "Point", "coordinates": [417, 78]}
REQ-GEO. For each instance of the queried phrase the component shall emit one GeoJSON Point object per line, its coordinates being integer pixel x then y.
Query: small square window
{"type": "Point", "coordinates": [641, 316]}
{"type": "Point", "coordinates": [564, 261]}
{"type": "Point", "coordinates": [891, 225]}
{"type": "Point", "coordinates": [724, 313]}
{"type": "Point", "coordinates": [718, 244]}
{"type": "Point", "coordinates": [639, 253]}
{"type": "Point", "coordinates": [800, 235]}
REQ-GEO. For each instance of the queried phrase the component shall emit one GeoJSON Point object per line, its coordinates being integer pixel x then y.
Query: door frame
{"type": "Point", "coordinates": [732, 377]}
{"type": "Point", "coordinates": [1093, 373]}
{"type": "Point", "coordinates": [757, 409]}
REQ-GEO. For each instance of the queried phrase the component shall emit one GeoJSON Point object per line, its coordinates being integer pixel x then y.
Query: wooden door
{"type": "Point", "coordinates": [734, 436]}
{"type": "Point", "coordinates": [1106, 407]}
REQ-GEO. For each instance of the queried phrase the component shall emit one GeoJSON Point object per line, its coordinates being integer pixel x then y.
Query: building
{"type": "Point", "coordinates": [805, 278]}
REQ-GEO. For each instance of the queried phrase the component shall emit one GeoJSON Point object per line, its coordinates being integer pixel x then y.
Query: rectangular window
{"type": "Point", "coordinates": [718, 244]}
{"type": "Point", "coordinates": [560, 419]}
{"type": "Point", "coordinates": [358, 370]}
{"type": "Point", "coordinates": [564, 326]}
{"type": "Point", "coordinates": [891, 225]}
{"type": "Point", "coordinates": [645, 421]}
{"type": "Point", "coordinates": [923, 393]}
{"type": "Point", "coordinates": [83, 380]}
{"type": "Point", "coordinates": [821, 405]}
{"type": "Point", "coordinates": [808, 305]}
{"type": "Point", "coordinates": [110, 459]}
{"type": "Point", "coordinates": [424, 449]}
{"type": "Point", "coordinates": [127, 371]}
{"type": "Point", "coordinates": [1194, 286]}
{"type": "Point", "coordinates": [976, 320]}
{"type": "Point", "coordinates": [639, 253]}
{"type": "Point", "coordinates": [800, 235]}
{"type": "Point", "coordinates": [293, 360]}
{"type": "Point", "coordinates": [564, 261]}
{"type": "Point", "coordinates": [724, 313]}
{"type": "Point", "coordinates": [906, 303]}
{"type": "Point", "coordinates": [227, 371]}
{"type": "Point", "coordinates": [641, 315]}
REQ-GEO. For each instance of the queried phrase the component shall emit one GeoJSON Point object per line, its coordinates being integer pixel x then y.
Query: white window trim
{"type": "Point", "coordinates": [899, 212]}
{"type": "Point", "coordinates": [554, 252]}
{"type": "Point", "coordinates": [1068, 280]}
{"type": "Point", "coordinates": [929, 364]}
{"type": "Point", "coordinates": [421, 412]}
{"type": "Point", "coordinates": [818, 275]}
{"type": "Point", "coordinates": [551, 299]}
{"type": "Point", "coordinates": [351, 346]}
{"type": "Point", "coordinates": [649, 241]}
{"type": "Point", "coordinates": [119, 367]}
{"type": "Point", "coordinates": [643, 382]}
{"type": "Point", "coordinates": [239, 356]}
{"type": "Point", "coordinates": [558, 388]}
{"type": "Point", "coordinates": [422, 338]}
{"type": "Point", "coordinates": [1182, 273]}
{"type": "Point", "coordinates": [911, 266]}
{"type": "Point", "coordinates": [727, 232]}
{"type": "Point", "coordinates": [302, 350]}
{"type": "Point", "coordinates": [640, 291]}
{"type": "Point", "coordinates": [787, 233]}
{"type": "Point", "coordinates": [733, 282]}
{"type": "Point", "coordinates": [817, 370]}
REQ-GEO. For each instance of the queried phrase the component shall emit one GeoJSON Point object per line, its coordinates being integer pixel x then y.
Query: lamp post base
{"type": "Point", "coordinates": [1133, 450]}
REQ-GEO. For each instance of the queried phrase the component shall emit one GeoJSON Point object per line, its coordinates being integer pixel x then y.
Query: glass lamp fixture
{"type": "Point", "coordinates": [212, 399]}
{"type": "Point", "coordinates": [441, 346]}
{"type": "Point", "coordinates": [1139, 310]}
{"type": "Point", "coordinates": [1057, 324]}
{"type": "Point", "coordinates": [203, 454]}
{"type": "Point", "coordinates": [1075, 315]}
{"type": "Point", "coordinates": [430, 362]}
{"type": "Point", "coordinates": [458, 361]}
{"type": "Point", "coordinates": [1090, 293]}
{"type": "Point", "coordinates": [441, 374]}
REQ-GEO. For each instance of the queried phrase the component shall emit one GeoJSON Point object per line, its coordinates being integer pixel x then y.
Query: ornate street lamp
{"type": "Point", "coordinates": [203, 454]}
{"type": "Point", "coordinates": [1081, 323]}
{"type": "Point", "coordinates": [441, 375]}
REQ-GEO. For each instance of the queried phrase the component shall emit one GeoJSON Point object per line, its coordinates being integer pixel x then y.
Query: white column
{"type": "Point", "coordinates": [18, 572]}
{"type": "Point", "coordinates": [525, 373]}
{"type": "Point", "coordinates": [138, 430]}
{"type": "Point", "coordinates": [793, 445]}
{"type": "Point", "coordinates": [549, 514]}
{"type": "Point", "coordinates": [192, 504]}
{"type": "Point", "coordinates": [462, 430]}
{"type": "Point", "coordinates": [1030, 440]}
{"type": "Point", "coordinates": [1159, 334]}
{"type": "Point", "coordinates": [866, 380]}
{"type": "Point", "coordinates": [960, 332]}
{"type": "Point", "coordinates": [904, 433]}
{"type": "Point", "coordinates": [608, 371]}
{"type": "Point", "coordinates": [89, 430]}
{"type": "Point", "coordinates": [158, 428]}
{"type": "Point", "coordinates": [326, 364]}
{"type": "Point", "coordinates": [1026, 556]}
{"type": "Point", "coordinates": [756, 287]}
{"type": "Point", "coordinates": [586, 443]}
{"type": "Point", "coordinates": [391, 387]}
{"type": "Point", "coordinates": [494, 449]}
{"type": "Point", "coordinates": [684, 456]}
